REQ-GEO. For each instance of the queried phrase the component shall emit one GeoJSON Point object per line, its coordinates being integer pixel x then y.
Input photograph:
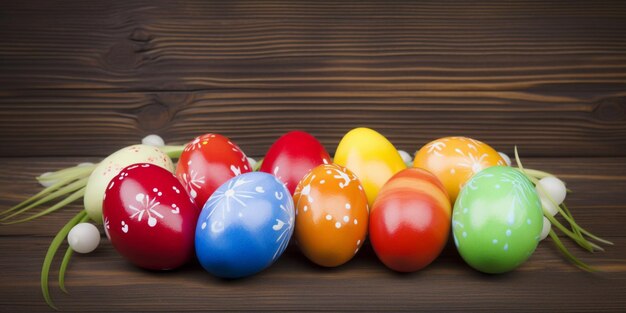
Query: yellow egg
{"type": "Point", "coordinates": [454, 160]}
{"type": "Point", "coordinates": [111, 166]}
{"type": "Point", "coordinates": [371, 157]}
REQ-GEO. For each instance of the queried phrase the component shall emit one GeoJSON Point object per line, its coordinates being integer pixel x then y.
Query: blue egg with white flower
{"type": "Point", "coordinates": [245, 225]}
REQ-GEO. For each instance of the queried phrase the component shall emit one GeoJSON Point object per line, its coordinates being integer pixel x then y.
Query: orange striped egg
{"type": "Point", "coordinates": [454, 160]}
{"type": "Point", "coordinates": [410, 220]}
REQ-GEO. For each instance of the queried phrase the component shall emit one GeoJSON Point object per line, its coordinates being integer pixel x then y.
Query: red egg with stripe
{"type": "Point", "coordinates": [410, 220]}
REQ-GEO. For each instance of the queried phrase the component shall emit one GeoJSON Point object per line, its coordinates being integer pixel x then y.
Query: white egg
{"type": "Point", "coordinates": [548, 207]}
{"type": "Point", "coordinates": [406, 158]}
{"type": "Point", "coordinates": [506, 158]}
{"type": "Point", "coordinates": [553, 187]}
{"type": "Point", "coordinates": [111, 166]}
{"type": "Point", "coordinates": [546, 228]}
{"type": "Point", "coordinates": [84, 238]}
{"type": "Point", "coordinates": [153, 140]}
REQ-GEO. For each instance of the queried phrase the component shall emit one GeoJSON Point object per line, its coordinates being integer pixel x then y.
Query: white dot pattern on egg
{"type": "Point", "coordinates": [495, 213]}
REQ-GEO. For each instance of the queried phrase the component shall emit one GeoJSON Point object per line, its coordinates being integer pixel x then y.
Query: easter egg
{"type": "Point", "coordinates": [111, 166]}
{"type": "Point", "coordinates": [207, 162]}
{"type": "Point", "coordinates": [454, 160]}
{"type": "Point", "coordinates": [244, 226]}
{"type": "Point", "coordinates": [371, 157]}
{"type": "Point", "coordinates": [410, 220]}
{"type": "Point", "coordinates": [149, 217]}
{"type": "Point", "coordinates": [497, 220]}
{"type": "Point", "coordinates": [292, 156]}
{"type": "Point", "coordinates": [331, 215]}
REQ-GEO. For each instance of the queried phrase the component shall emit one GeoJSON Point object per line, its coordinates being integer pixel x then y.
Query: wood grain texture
{"type": "Point", "coordinates": [40, 123]}
{"type": "Point", "coordinates": [104, 281]}
{"type": "Point", "coordinates": [81, 79]}
{"type": "Point", "coordinates": [322, 45]}
{"type": "Point", "coordinates": [550, 77]}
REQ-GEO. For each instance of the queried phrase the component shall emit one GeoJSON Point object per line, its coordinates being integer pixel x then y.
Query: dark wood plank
{"type": "Point", "coordinates": [323, 45]}
{"type": "Point", "coordinates": [103, 281]}
{"type": "Point", "coordinates": [90, 77]}
{"type": "Point", "coordinates": [81, 123]}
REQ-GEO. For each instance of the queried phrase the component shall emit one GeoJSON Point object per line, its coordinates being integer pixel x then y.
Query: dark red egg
{"type": "Point", "coordinates": [149, 217]}
{"type": "Point", "coordinates": [292, 156]}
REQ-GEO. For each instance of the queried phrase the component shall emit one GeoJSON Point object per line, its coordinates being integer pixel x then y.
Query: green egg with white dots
{"type": "Point", "coordinates": [497, 220]}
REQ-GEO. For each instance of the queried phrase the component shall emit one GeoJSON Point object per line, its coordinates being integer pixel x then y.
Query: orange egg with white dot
{"type": "Point", "coordinates": [454, 160]}
{"type": "Point", "coordinates": [331, 215]}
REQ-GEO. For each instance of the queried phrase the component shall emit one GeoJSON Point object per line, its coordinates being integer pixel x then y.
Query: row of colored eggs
{"type": "Point", "coordinates": [248, 218]}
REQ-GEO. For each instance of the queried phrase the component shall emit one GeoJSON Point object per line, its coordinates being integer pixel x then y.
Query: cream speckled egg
{"type": "Point", "coordinates": [111, 166]}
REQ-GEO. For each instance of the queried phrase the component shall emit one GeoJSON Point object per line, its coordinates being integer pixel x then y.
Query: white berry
{"type": "Point", "coordinates": [153, 140]}
{"type": "Point", "coordinates": [406, 157]}
{"type": "Point", "coordinates": [84, 238]}
{"type": "Point", "coordinates": [506, 158]}
{"type": "Point", "coordinates": [553, 187]}
{"type": "Point", "coordinates": [546, 228]}
{"type": "Point", "coordinates": [46, 183]}
{"type": "Point", "coordinates": [548, 207]}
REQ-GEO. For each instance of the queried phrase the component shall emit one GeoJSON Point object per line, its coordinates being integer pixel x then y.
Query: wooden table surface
{"type": "Point", "coordinates": [80, 79]}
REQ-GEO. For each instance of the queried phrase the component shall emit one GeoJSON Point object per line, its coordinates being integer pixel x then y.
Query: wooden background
{"type": "Point", "coordinates": [80, 79]}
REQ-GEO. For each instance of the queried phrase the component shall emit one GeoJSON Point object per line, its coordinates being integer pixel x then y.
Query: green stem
{"type": "Point", "coordinates": [567, 215]}
{"type": "Point", "coordinates": [61, 192]}
{"type": "Point", "coordinates": [567, 254]}
{"type": "Point", "coordinates": [578, 228]}
{"type": "Point", "coordinates": [580, 241]}
{"type": "Point", "coordinates": [257, 166]}
{"type": "Point", "coordinates": [52, 249]}
{"type": "Point", "coordinates": [173, 152]}
{"type": "Point", "coordinates": [67, 172]}
{"type": "Point", "coordinates": [66, 259]}
{"type": "Point", "coordinates": [77, 195]}
{"type": "Point", "coordinates": [536, 173]}
{"type": "Point", "coordinates": [44, 192]}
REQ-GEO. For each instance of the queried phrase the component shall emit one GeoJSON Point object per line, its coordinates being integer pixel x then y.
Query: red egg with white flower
{"type": "Point", "coordinates": [207, 162]}
{"type": "Point", "coordinates": [149, 217]}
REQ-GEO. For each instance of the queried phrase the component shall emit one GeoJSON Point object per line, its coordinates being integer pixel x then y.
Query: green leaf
{"type": "Point", "coordinates": [79, 184]}
{"type": "Point", "coordinates": [75, 196]}
{"type": "Point", "coordinates": [52, 249]}
{"type": "Point", "coordinates": [568, 255]}
{"type": "Point", "coordinates": [66, 259]}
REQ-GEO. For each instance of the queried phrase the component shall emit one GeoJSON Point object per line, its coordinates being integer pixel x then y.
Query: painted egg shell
{"type": "Point", "coordinates": [410, 220]}
{"type": "Point", "coordinates": [497, 220]}
{"type": "Point", "coordinates": [371, 157]}
{"type": "Point", "coordinates": [245, 226]}
{"type": "Point", "coordinates": [331, 215]}
{"type": "Point", "coordinates": [292, 156]}
{"type": "Point", "coordinates": [149, 217]}
{"type": "Point", "coordinates": [454, 160]}
{"type": "Point", "coordinates": [207, 162]}
{"type": "Point", "coordinates": [111, 166]}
